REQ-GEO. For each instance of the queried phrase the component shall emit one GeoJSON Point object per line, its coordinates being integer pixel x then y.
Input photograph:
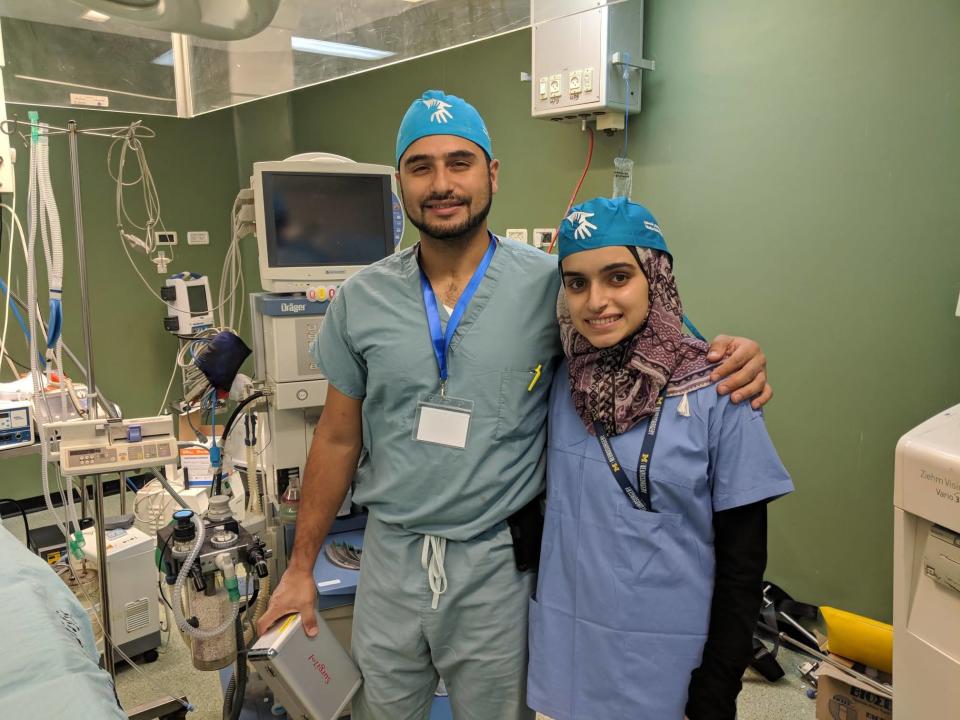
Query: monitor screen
{"type": "Point", "coordinates": [197, 299]}
{"type": "Point", "coordinates": [327, 219]}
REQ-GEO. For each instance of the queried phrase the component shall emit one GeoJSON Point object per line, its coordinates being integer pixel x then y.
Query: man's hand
{"type": "Point", "coordinates": [743, 370]}
{"type": "Point", "coordinates": [295, 594]}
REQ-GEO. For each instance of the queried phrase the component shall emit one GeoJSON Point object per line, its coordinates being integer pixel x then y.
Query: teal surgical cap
{"type": "Point", "coordinates": [436, 113]}
{"type": "Point", "coordinates": [602, 222]}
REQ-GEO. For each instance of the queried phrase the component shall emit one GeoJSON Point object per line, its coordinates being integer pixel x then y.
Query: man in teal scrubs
{"type": "Point", "coordinates": [440, 360]}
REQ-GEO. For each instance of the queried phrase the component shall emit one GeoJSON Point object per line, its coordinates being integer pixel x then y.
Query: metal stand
{"type": "Point", "coordinates": [98, 516]}
{"type": "Point", "coordinates": [92, 401]}
{"type": "Point", "coordinates": [82, 262]}
{"type": "Point", "coordinates": [81, 483]}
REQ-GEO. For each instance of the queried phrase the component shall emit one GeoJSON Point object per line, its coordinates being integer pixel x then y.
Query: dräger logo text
{"type": "Point", "coordinates": [292, 307]}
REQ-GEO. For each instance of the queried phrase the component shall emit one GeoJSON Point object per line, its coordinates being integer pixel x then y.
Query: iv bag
{"type": "Point", "coordinates": [622, 177]}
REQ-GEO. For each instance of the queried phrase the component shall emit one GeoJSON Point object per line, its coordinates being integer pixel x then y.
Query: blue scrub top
{"type": "Point", "coordinates": [623, 598]}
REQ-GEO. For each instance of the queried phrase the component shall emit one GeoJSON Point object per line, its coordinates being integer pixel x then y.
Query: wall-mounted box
{"type": "Point", "coordinates": [580, 48]}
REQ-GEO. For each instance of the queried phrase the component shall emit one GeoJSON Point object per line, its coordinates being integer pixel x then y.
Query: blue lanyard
{"type": "Point", "coordinates": [441, 342]}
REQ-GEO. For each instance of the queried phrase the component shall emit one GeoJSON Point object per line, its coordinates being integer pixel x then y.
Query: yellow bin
{"type": "Point", "coordinates": [859, 638]}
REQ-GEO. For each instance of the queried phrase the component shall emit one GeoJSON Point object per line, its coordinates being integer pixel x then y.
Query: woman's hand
{"type": "Point", "coordinates": [743, 370]}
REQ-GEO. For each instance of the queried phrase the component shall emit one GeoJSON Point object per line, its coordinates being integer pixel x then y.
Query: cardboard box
{"type": "Point", "coordinates": [843, 697]}
{"type": "Point", "coordinates": [187, 433]}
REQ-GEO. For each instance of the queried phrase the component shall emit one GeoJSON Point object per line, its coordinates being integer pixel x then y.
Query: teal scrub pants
{"type": "Point", "coordinates": [476, 638]}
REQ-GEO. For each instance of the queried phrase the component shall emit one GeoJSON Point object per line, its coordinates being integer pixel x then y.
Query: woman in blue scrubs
{"type": "Point", "coordinates": [654, 543]}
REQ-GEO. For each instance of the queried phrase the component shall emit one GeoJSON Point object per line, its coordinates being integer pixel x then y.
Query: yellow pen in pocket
{"type": "Point", "coordinates": [536, 377]}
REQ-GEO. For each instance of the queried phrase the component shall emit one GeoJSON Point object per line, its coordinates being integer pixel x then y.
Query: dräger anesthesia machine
{"type": "Point", "coordinates": [319, 220]}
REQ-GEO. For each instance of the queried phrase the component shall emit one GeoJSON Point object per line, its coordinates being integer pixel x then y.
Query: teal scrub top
{"type": "Point", "coordinates": [375, 345]}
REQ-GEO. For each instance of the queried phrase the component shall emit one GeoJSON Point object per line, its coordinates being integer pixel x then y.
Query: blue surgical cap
{"type": "Point", "coordinates": [602, 222]}
{"type": "Point", "coordinates": [436, 113]}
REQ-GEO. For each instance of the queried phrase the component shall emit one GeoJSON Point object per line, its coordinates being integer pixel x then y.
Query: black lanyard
{"type": "Point", "coordinates": [639, 498]}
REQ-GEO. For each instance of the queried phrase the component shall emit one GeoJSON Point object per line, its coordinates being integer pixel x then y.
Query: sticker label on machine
{"type": "Point", "coordinates": [945, 488]}
{"type": "Point", "coordinates": [307, 330]}
{"type": "Point", "coordinates": [13, 419]}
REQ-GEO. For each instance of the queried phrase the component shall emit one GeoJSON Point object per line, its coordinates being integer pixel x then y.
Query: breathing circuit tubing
{"type": "Point", "coordinates": [179, 617]}
{"type": "Point", "coordinates": [42, 213]}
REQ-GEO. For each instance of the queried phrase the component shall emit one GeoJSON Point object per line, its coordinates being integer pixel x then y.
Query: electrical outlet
{"type": "Point", "coordinates": [165, 237]}
{"type": "Point", "coordinates": [555, 83]}
{"type": "Point", "coordinates": [958, 307]}
{"type": "Point", "coordinates": [542, 237]}
{"type": "Point", "coordinates": [198, 237]}
{"type": "Point", "coordinates": [518, 234]}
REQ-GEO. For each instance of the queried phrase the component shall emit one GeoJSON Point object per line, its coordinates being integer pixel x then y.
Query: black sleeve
{"type": "Point", "coordinates": [740, 543]}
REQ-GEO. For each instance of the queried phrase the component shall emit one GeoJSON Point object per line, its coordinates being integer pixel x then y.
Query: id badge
{"type": "Point", "coordinates": [443, 421]}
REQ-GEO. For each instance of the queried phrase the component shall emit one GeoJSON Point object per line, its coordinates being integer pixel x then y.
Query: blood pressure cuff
{"type": "Point", "coordinates": [220, 359]}
{"type": "Point", "coordinates": [526, 529]}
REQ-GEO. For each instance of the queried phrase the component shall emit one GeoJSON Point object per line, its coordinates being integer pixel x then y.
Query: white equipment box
{"type": "Point", "coordinates": [89, 447]}
{"type": "Point", "coordinates": [926, 568]}
{"type": "Point", "coordinates": [580, 50]}
{"type": "Point", "coordinates": [134, 607]}
{"type": "Point", "coordinates": [312, 678]}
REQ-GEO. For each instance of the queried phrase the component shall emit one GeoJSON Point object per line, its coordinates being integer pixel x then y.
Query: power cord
{"type": "Point", "coordinates": [576, 190]}
{"type": "Point", "coordinates": [23, 514]}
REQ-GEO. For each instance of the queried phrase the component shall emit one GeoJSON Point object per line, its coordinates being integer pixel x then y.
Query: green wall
{"type": "Point", "coordinates": [803, 161]}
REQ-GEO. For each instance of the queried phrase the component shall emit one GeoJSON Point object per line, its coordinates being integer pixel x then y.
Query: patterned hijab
{"type": "Point", "coordinates": [619, 385]}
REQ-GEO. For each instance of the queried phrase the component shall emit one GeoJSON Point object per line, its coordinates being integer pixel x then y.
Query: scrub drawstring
{"type": "Point", "coordinates": [431, 560]}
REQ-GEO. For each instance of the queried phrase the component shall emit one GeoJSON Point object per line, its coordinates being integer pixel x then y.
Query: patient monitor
{"type": "Point", "coordinates": [319, 221]}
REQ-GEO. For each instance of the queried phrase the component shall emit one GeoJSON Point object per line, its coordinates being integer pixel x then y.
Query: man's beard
{"type": "Point", "coordinates": [452, 232]}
